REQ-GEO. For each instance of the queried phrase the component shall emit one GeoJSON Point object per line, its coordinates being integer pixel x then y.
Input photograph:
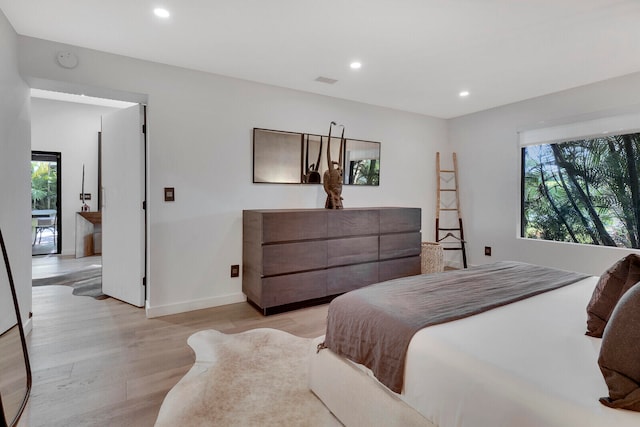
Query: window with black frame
{"type": "Point", "coordinates": [583, 191]}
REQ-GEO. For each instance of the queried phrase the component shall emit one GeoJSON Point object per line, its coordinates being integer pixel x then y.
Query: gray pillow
{"type": "Point", "coordinates": [619, 358]}
{"type": "Point", "coordinates": [612, 285]}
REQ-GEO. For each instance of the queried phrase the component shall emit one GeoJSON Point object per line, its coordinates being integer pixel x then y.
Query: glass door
{"type": "Point", "coordinates": [46, 187]}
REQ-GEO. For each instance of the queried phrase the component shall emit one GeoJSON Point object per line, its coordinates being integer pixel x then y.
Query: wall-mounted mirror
{"type": "Point", "coordinates": [362, 162]}
{"type": "Point", "coordinates": [277, 156]}
{"type": "Point", "coordinates": [15, 373]}
{"type": "Point", "coordinates": [314, 152]}
{"type": "Point", "coordinates": [300, 158]}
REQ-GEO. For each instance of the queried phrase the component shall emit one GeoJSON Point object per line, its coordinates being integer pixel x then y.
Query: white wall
{"type": "Point", "coordinates": [200, 128]}
{"type": "Point", "coordinates": [15, 216]}
{"type": "Point", "coordinates": [71, 129]}
{"type": "Point", "coordinates": [488, 155]}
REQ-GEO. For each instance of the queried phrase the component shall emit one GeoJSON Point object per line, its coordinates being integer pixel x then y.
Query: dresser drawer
{"type": "Point", "coordinates": [344, 223]}
{"type": "Point", "coordinates": [291, 226]}
{"type": "Point", "coordinates": [345, 279]}
{"type": "Point", "coordinates": [293, 288]}
{"type": "Point", "coordinates": [400, 245]}
{"type": "Point", "coordinates": [398, 220]}
{"type": "Point", "coordinates": [352, 250]}
{"type": "Point", "coordinates": [292, 257]}
{"type": "Point", "coordinates": [395, 268]}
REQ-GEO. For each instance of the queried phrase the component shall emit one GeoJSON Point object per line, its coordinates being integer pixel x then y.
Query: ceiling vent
{"type": "Point", "coordinates": [326, 80]}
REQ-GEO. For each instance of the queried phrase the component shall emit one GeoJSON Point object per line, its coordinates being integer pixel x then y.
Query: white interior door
{"type": "Point", "coordinates": [123, 219]}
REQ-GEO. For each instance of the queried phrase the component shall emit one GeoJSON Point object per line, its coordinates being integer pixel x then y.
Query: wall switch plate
{"type": "Point", "coordinates": [169, 194]}
{"type": "Point", "coordinates": [235, 270]}
{"type": "Point", "coordinates": [487, 250]}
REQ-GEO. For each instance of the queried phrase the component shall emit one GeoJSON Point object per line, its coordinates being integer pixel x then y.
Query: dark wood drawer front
{"type": "Point", "coordinates": [293, 288]}
{"type": "Point", "coordinates": [400, 245]}
{"type": "Point", "coordinates": [352, 250]}
{"type": "Point", "coordinates": [400, 220]}
{"type": "Point", "coordinates": [291, 226]}
{"type": "Point", "coordinates": [292, 257]}
{"type": "Point", "coordinates": [396, 268]}
{"type": "Point", "coordinates": [345, 279]}
{"type": "Point", "coordinates": [344, 223]}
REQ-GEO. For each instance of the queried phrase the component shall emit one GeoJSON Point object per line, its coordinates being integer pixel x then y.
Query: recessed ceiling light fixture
{"type": "Point", "coordinates": [161, 13]}
{"type": "Point", "coordinates": [464, 93]}
{"type": "Point", "coordinates": [355, 65]}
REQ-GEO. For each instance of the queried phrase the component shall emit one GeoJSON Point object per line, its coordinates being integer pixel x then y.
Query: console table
{"type": "Point", "coordinates": [295, 255]}
{"type": "Point", "coordinates": [88, 233]}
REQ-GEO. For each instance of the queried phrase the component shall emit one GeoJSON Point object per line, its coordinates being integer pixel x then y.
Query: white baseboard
{"type": "Point", "coordinates": [27, 327]}
{"type": "Point", "coordinates": [182, 307]}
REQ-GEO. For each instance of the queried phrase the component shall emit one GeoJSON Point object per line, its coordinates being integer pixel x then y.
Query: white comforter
{"type": "Point", "coordinates": [524, 364]}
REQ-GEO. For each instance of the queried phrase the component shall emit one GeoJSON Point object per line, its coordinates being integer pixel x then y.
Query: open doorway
{"type": "Point", "coordinates": [71, 124]}
{"type": "Point", "coordinates": [46, 194]}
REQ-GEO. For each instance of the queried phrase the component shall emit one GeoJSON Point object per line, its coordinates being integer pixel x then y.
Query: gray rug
{"type": "Point", "coordinates": [85, 282]}
{"type": "Point", "coordinates": [255, 378]}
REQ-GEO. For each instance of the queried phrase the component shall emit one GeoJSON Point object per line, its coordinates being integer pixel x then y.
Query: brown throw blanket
{"type": "Point", "coordinates": [373, 325]}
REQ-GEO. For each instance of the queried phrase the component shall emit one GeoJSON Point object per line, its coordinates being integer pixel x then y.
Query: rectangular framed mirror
{"type": "Point", "coordinates": [317, 149]}
{"type": "Point", "coordinates": [277, 156]}
{"type": "Point", "coordinates": [312, 153]}
{"type": "Point", "coordinates": [281, 157]}
{"type": "Point", "coordinates": [362, 162]}
{"type": "Point", "coordinates": [15, 373]}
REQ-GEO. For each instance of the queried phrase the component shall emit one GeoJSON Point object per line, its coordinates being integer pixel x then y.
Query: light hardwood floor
{"type": "Point", "coordinates": [51, 265]}
{"type": "Point", "coordinates": [103, 363]}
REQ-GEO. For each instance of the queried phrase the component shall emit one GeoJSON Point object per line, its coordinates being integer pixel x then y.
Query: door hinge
{"type": "Point", "coordinates": [144, 281]}
{"type": "Point", "coordinates": [144, 129]}
{"type": "Point", "coordinates": [144, 205]}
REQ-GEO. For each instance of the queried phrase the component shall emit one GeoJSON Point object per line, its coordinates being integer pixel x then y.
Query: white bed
{"type": "Point", "coordinates": [525, 364]}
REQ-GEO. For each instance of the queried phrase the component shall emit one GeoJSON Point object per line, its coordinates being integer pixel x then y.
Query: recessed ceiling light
{"type": "Point", "coordinates": [355, 65]}
{"type": "Point", "coordinates": [464, 93]}
{"type": "Point", "coordinates": [161, 13]}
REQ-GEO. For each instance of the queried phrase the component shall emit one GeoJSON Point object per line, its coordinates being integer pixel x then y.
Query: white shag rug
{"type": "Point", "coordinates": [254, 378]}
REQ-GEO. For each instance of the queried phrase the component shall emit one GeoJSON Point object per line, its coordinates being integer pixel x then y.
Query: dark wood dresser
{"type": "Point", "coordinates": [295, 255]}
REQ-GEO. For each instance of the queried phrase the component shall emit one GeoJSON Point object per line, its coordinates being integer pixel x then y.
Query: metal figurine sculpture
{"type": "Point", "coordinates": [332, 179]}
{"type": "Point", "coordinates": [84, 207]}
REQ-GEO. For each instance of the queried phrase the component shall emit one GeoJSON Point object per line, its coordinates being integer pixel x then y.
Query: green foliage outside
{"type": "Point", "coordinates": [44, 177]}
{"type": "Point", "coordinates": [365, 172]}
{"type": "Point", "coordinates": [584, 191]}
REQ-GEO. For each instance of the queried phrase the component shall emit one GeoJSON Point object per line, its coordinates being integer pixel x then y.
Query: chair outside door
{"type": "Point", "coordinates": [43, 224]}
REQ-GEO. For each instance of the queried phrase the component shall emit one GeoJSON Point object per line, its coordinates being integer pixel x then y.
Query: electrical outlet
{"type": "Point", "coordinates": [487, 250]}
{"type": "Point", "coordinates": [235, 270]}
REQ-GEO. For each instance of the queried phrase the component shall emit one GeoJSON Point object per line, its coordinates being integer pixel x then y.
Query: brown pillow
{"type": "Point", "coordinates": [619, 358]}
{"type": "Point", "coordinates": [612, 285]}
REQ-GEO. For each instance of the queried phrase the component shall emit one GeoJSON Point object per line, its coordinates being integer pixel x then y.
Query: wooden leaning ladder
{"type": "Point", "coordinates": [453, 238]}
